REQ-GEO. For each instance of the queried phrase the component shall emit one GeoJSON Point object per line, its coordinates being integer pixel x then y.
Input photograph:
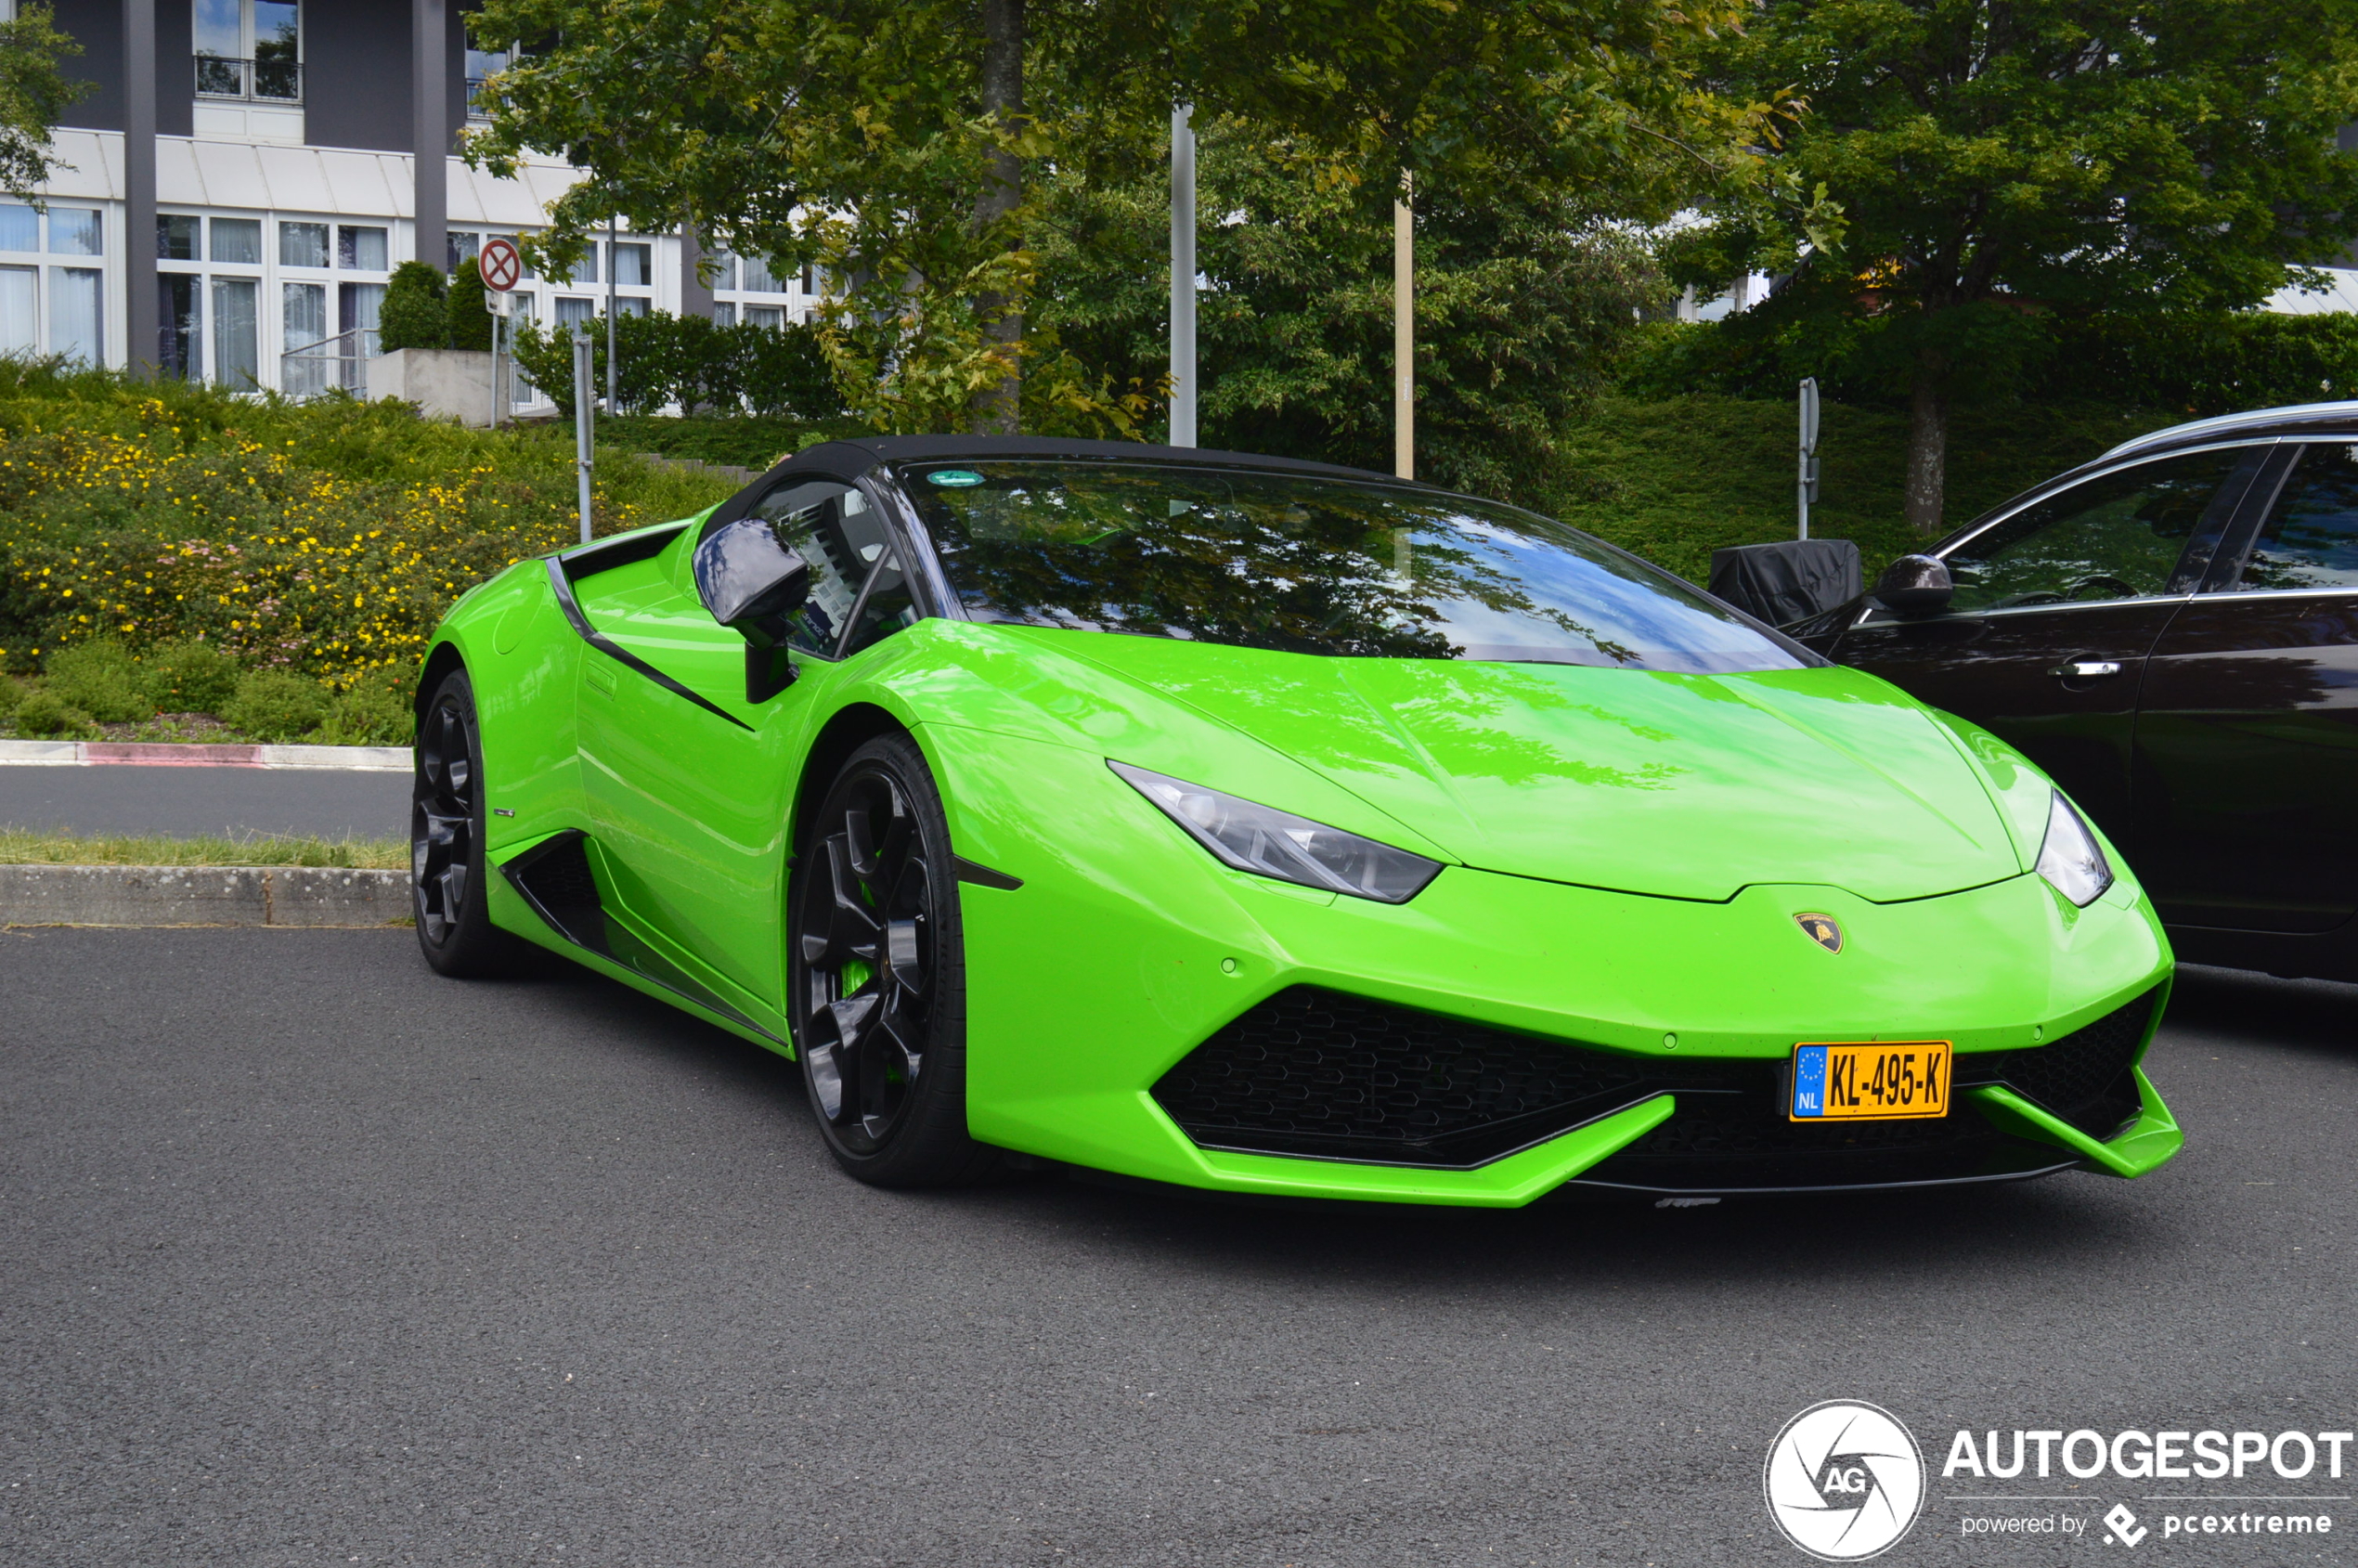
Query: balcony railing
{"type": "Point", "coordinates": [262, 81]}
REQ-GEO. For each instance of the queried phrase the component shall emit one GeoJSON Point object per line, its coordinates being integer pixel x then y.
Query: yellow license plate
{"type": "Point", "coordinates": [1883, 1081]}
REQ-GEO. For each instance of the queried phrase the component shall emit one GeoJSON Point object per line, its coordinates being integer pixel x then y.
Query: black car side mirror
{"type": "Point", "coordinates": [1915, 585]}
{"type": "Point", "coordinates": [751, 583]}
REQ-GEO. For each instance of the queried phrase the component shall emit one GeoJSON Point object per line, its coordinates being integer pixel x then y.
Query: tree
{"type": "Point", "coordinates": [903, 143]}
{"type": "Point", "coordinates": [34, 91]}
{"type": "Point", "coordinates": [1962, 165]}
{"type": "Point", "coordinates": [1522, 299]}
{"type": "Point", "coordinates": [414, 313]}
{"type": "Point", "coordinates": [467, 318]}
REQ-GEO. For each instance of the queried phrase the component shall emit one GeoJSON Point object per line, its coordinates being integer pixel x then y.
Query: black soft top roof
{"type": "Point", "coordinates": [845, 460]}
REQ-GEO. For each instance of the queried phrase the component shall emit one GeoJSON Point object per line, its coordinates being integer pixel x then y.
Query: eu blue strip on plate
{"type": "Point", "coordinates": [1809, 1081]}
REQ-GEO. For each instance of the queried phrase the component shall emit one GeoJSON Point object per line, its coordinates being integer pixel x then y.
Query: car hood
{"type": "Point", "coordinates": [1682, 786]}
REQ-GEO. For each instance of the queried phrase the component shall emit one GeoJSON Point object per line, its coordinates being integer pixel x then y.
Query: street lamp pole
{"type": "Point", "coordinates": [1182, 276]}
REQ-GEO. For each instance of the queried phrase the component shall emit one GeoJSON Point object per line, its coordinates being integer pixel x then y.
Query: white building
{"type": "Point", "coordinates": [239, 184]}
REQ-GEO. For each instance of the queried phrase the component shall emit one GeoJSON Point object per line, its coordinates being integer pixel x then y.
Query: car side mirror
{"type": "Point", "coordinates": [1915, 585]}
{"type": "Point", "coordinates": [751, 583]}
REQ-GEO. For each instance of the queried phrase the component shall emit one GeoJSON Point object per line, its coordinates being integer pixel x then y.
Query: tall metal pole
{"type": "Point", "coordinates": [1807, 477]}
{"type": "Point", "coordinates": [1404, 334]}
{"type": "Point", "coordinates": [143, 315]}
{"type": "Point", "coordinates": [584, 428]}
{"type": "Point", "coordinates": [1182, 276]}
{"type": "Point", "coordinates": [611, 271]}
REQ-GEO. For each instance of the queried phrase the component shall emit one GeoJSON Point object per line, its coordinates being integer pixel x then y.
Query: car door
{"type": "Point", "coordinates": [2247, 726]}
{"type": "Point", "coordinates": [2057, 604]}
{"type": "Point", "coordinates": [688, 789]}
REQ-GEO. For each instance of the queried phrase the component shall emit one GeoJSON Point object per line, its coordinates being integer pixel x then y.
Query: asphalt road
{"type": "Point", "coordinates": [184, 802]}
{"type": "Point", "coordinates": [367, 1268]}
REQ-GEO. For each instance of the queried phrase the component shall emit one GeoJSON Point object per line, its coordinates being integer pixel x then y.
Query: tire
{"type": "Point", "coordinates": [449, 891]}
{"type": "Point", "coordinates": [877, 968]}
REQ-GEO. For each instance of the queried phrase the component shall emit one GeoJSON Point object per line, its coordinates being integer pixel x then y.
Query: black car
{"type": "Point", "coordinates": [2171, 632]}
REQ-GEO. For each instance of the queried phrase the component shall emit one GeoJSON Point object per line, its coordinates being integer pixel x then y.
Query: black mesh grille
{"type": "Point", "coordinates": [1313, 1072]}
{"type": "Point", "coordinates": [2082, 1078]}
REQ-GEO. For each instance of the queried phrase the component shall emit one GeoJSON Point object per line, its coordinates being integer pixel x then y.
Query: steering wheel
{"type": "Point", "coordinates": [2100, 579]}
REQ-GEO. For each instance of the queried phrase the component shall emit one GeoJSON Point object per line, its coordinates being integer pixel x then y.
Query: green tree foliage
{"type": "Point", "coordinates": [1962, 163]}
{"type": "Point", "coordinates": [879, 138]}
{"type": "Point", "coordinates": [35, 90]}
{"type": "Point", "coordinates": [2190, 364]}
{"type": "Point", "coordinates": [1522, 301]}
{"type": "Point", "coordinates": [467, 320]}
{"type": "Point", "coordinates": [415, 314]}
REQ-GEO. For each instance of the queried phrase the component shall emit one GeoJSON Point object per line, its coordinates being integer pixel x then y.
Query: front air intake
{"type": "Point", "coordinates": [1312, 1073]}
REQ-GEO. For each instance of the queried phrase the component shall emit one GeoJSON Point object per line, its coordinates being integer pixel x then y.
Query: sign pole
{"type": "Point", "coordinates": [611, 299]}
{"type": "Point", "coordinates": [1404, 334]}
{"type": "Point", "coordinates": [1808, 476]}
{"type": "Point", "coordinates": [493, 301]}
{"type": "Point", "coordinates": [584, 438]}
{"type": "Point", "coordinates": [501, 270]}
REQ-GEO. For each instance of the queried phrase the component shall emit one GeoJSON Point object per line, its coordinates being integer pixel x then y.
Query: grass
{"type": "Point", "coordinates": [22, 846]}
{"type": "Point", "coordinates": [1676, 479]}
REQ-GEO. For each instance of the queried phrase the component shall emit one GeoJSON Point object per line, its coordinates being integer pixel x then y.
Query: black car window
{"type": "Point", "coordinates": [2311, 537]}
{"type": "Point", "coordinates": [2119, 535]}
{"type": "Point", "coordinates": [1312, 564]}
{"type": "Point", "coordinates": [832, 527]}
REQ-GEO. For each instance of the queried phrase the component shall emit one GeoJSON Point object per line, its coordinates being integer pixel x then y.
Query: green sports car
{"type": "Point", "coordinates": [1281, 829]}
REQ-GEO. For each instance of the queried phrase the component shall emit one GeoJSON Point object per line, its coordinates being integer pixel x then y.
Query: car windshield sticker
{"type": "Point", "coordinates": [956, 478]}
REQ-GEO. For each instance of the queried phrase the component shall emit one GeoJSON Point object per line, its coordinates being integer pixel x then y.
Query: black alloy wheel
{"type": "Point", "coordinates": [447, 865]}
{"type": "Point", "coordinates": [878, 978]}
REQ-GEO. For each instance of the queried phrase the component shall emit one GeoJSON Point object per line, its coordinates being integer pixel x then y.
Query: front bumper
{"type": "Point", "coordinates": [1127, 948]}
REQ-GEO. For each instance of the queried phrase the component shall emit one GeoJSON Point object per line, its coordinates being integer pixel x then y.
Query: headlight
{"type": "Point", "coordinates": [2069, 858]}
{"type": "Point", "coordinates": [1281, 845]}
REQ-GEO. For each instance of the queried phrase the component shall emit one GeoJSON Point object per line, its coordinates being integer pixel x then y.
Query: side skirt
{"type": "Point", "coordinates": [555, 879]}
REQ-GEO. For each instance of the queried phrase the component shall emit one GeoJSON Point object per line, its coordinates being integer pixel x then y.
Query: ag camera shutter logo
{"type": "Point", "coordinates": [1845, 1481]}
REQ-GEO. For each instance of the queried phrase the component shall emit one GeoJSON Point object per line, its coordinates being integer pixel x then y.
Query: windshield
{"type": "Point", "coordinates": [1314, 566]}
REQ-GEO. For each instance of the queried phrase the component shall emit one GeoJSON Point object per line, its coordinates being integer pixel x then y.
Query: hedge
{"type": "Point", "coordinates": [2198, 364]}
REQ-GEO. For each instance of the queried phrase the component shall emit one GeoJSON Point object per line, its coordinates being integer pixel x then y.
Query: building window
{"type": "Point", "coordinates": [209, 293]}
{"type": "Point", "coordinates": [632, 268]}
{"type": "Point", "coordinates": [19, 306]}
{"type": "Point", "coordinates": [237, 240]}
{"type": "Point", "coordinates": [237, 334]}
{"type": "Point", "coordinates": [74, 231]}
{"type": "Point", "coordinates": [180, 237]}
{"type": "Point", "coordinates": [483, 65]}
{"type": "Point", "coordinates": [303, 244]}
{"type": "Point", "coordinates": [249, 49]}
{"type": "Point", "coordinates": [765, 297]}
{"type": "Point", "coordinates": [361, 249]}
{"type": "Point", "coordinates": [178, 346]}
{"type": "Point", "coordinates": [76, 297]}
{"type": "Point", "coordinates": [77, 312]}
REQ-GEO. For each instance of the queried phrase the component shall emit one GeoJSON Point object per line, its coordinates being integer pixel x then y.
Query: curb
{"type": "Point", "coordinates": [201, 895]}
{"type": "Point", "coordinates": [162, 754]}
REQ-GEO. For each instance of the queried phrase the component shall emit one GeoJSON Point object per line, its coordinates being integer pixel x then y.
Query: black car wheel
{"type": "Point", "coordinates": [447, 866]}
{"type": "Point", "coordinates": [878, 976]}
